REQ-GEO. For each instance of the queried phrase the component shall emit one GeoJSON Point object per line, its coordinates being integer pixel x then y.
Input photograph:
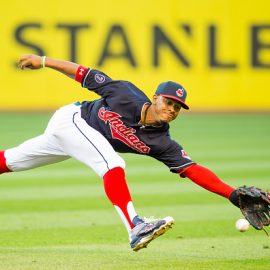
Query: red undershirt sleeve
{"type": "Point", "coordinates": [207, 179]}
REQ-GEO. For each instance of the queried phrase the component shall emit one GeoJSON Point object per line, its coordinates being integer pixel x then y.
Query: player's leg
{"type": "Point", "coordinates": [35, 152]}
{"type": "Point", "coordinates": [32, 153]}
{"type": "Point", "coordinates": [87, 145]}
{"type": "Point", "coordinates": [90, 147]}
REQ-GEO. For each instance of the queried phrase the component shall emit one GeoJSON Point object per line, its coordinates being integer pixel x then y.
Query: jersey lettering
{"type": "Point", "coordinates": [120, 132]}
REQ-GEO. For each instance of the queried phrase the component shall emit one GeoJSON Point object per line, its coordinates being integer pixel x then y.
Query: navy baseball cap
{"type": "Point", "coordinates": [173, 91]}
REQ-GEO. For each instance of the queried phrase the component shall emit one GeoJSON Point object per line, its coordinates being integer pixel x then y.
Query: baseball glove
{"type": "Point", "coordinates": [255, 206]}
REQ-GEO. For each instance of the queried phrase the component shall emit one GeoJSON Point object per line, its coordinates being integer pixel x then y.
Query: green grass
{"type": "Point", "coordinates": [58, 217]}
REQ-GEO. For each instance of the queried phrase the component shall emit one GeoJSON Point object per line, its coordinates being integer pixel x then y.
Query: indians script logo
{"type": "Point", "coordinates": [121, 132]}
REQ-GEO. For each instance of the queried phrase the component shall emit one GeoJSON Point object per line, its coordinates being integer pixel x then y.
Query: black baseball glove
{"type": "Point", "coordinates": [254, 204]}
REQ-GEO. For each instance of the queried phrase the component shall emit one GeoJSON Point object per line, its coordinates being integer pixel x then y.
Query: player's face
{"type": "Point", "coordinates": [166, 109]}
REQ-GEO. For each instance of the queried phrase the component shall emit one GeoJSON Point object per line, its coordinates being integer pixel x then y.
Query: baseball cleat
{"type": "Point", "coordinates": [142, 234]}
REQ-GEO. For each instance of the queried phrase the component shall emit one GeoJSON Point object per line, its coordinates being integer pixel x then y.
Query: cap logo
{"type": "Point", "coordinates": [180, 92]}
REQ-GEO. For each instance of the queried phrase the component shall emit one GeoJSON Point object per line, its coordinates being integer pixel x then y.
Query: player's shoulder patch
{"type": "Point", "coordinates": [99, 78]}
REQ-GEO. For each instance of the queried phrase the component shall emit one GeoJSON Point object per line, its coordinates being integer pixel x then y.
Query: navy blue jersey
{"type": "Point", "coordinates": [116, 115]}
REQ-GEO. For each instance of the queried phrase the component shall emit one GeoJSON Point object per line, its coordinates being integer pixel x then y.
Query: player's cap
{"type": "Point", "coordinates": [173, 91]}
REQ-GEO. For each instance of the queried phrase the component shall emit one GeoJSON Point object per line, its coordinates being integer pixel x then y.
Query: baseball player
{"type": "Point", "coordinates": [123, 120]}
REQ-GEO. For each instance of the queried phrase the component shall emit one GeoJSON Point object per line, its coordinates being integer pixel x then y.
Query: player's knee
{"type": "Point", "coordinates": [120, 163]}
{"type": "Point", "coordinates": [116, 162]}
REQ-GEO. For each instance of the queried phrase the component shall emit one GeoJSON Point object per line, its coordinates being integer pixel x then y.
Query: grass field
{"type": "Point", "coordinates": [57, 217]}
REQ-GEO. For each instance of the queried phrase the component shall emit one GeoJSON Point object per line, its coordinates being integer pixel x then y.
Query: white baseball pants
{"type": "Point", "coordinates": [67, 135]}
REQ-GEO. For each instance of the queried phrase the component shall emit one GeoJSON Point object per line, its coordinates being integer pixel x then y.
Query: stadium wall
{"type": "Point", "coordinates": [218, 49]}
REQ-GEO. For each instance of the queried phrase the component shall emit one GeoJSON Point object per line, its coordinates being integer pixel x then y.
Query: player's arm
{"type": "Point", "coordinates": [207, 179]}
{"type": "Point", "coordinates": [32, 61]}
{"type": "Point", "coordinates": [179, 162]}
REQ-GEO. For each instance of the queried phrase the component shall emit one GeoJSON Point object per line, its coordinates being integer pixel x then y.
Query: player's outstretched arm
{"type": "Point", "coordinates": [253, 202]}
{"type": "Point", "coordinates": [207, 179]}
{"type": "Point", "coordinates": [32, 61]}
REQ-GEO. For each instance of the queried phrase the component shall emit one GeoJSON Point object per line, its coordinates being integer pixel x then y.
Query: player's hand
{"type": "Point", "coordinates": [255, 206]}
{"type": "Point", "coordinates": [30, 61]}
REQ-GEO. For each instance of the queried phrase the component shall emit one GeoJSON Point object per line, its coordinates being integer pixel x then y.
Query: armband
{"type": "Point", "coordinates": [80, 73]}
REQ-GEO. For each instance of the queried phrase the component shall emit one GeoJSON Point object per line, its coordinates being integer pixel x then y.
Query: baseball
{"type": "Point", "coordinates": [242, 225]}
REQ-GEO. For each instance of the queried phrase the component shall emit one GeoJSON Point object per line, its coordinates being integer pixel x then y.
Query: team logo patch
{"type": "Point", "coordinates": [180, 92]}
{"type": "Point", "coordinates": [99, 78]}
{"type": "Point", "coordinates": [184, 154]}
{"type": "Point", "coordinates": [121, 132]}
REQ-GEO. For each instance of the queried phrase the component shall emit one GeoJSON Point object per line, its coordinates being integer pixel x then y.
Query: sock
{"type": "Point", "coordinates": [3, 165]}
{"type": "Point", "coordinates": [117, 191]}
{"type": "Point", "coordinates": [208, 180]}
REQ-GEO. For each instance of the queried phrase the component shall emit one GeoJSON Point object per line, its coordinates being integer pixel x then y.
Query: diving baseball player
{"type": "Point", "coordinates": [123, 120]}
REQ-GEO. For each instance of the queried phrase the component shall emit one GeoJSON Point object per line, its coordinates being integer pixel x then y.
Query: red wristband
{"type": "Point", "coordinates": [80, 73]}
